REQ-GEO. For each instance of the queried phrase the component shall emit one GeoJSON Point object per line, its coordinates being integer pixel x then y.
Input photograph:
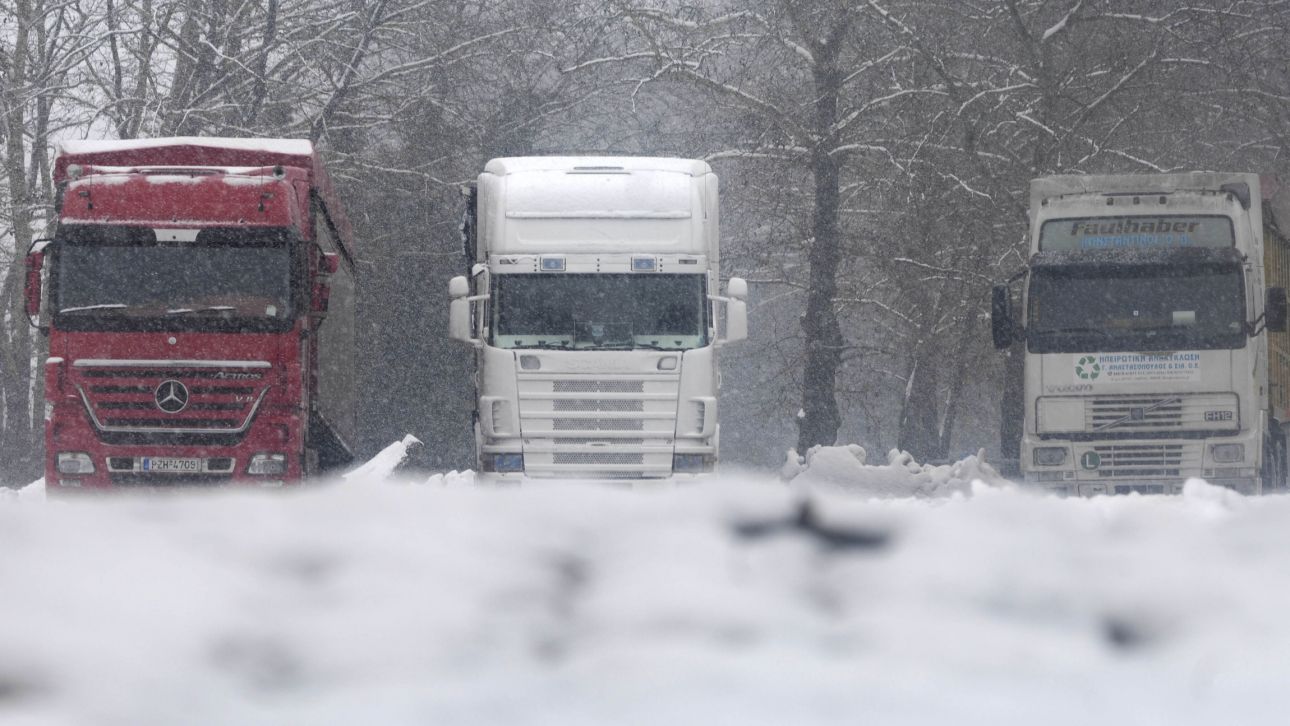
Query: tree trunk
{"type": "Point", "coordinates": [16, 439]}
{"type": "Point", "coordinates": [820, 420]}
{"type": "Point", "coordinates": [919, 432]}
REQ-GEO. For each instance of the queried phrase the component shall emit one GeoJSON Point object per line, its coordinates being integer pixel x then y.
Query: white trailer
{"type": "Point", "coordinates": [590, 305]}
{"type": "Point", "coordinates": [1153, 317]}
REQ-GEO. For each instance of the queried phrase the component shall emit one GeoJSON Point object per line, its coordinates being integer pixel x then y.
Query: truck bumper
{"type": "Point", "coordinates": [490, 478]}
{"type": "Point", "coordinates": [165, 465]}
{"type": "Point", "coordinates": [1143, 466]}
{"type": "Point", "coordinates": [1248, 486]}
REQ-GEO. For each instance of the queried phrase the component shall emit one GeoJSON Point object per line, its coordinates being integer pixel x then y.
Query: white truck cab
{"type": "Point", "coordinates": [590, 306]}
{"type": "Point", "coordinates": [1153, 317]}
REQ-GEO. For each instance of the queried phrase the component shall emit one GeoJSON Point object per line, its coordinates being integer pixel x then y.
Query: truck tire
{"type": "Point", "coordinates": [1273, 473]}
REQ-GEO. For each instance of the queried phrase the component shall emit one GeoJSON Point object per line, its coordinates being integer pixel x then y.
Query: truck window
{"type": "Point", "coordinates": [220, 279]}
{"type": "Point", "coordinates": [606, 311]}
{"type": "Point", "coordinates": [1135, 308]}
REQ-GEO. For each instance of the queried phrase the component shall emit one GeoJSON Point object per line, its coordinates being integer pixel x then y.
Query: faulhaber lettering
{"type": "Point", "coordinates": [1088, 228]}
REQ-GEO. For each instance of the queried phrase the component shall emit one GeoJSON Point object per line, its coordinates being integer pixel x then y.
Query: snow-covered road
{"type": "Point", "coordinates": [890, 594]}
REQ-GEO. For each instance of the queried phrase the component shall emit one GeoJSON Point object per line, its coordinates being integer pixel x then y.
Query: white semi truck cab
{"type": "Point", "coordinates": [592, 311]}
{"type": "Point", "coordinates": [1152, 312]}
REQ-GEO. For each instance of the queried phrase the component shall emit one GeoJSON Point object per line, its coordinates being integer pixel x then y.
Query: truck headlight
{"type": "Point", "coordinates": [1227, 453]}
{"type": "Point", "coordinates": [75, 462]}
{"type": "Point", "coordinates": [503, 463]}
{"type": "Point", "coordinates": [268, 464]}
{"type": "Point", "coordinates": [1050, 455]}
{"type": "Point", "coordinates": [691, 463]}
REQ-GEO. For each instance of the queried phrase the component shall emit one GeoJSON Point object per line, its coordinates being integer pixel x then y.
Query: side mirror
{"type": "Point", "coordinates": [35, 263]}
{"type": "Point", "coordinates": [1274, 310]}
{"type": "Point", "coordinates": [736, 309]}
{"type": "Point", "coordinates": [459, 310]}
{"type": "Point", "coordinates": [1001, 323]}
{"type": "Point", "coordinates": [329, 263]}
{"type": "Point", "coordinates": [737, 288]}
{"type": "Point", "coordinates": [458, 286]}
{"type": "Point", "coordinates": [736, 320]}
{"type": "Point", "coordinates": [321, 297]}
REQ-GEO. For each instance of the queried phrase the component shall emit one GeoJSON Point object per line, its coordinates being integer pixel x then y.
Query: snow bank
{"type": "Point", "coordinates": [383, 464]}
{"type": "Point", "coordinates": [34, 491]}
{"type": "Point", "coordinates": [738, 601]}
{"type": "Point", "coordinates": [844, 468]}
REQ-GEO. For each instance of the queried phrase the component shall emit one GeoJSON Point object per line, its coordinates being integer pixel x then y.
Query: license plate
{"type": "Point", "coordinates": [181, 466]}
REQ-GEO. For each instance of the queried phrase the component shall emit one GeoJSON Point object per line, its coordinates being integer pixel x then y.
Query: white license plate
{"type": "Point", "coordinates": [181, 466]}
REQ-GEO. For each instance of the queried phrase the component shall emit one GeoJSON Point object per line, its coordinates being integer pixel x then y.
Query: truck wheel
{"type": "Point", "coordinates": [1279, 447]}
{"type": "Point", "coordinates": [1273, 473]}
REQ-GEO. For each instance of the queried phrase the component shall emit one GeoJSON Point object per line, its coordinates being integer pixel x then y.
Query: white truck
{"type": "Point", "coordinates": [590, 305]}
{"type": "Point", "coordinates": [1153, 314]}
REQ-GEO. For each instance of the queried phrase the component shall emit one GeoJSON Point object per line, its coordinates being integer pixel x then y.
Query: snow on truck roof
{"type": "Point", "coordinates": [231, 156]}
{"type": "Point", "coordinates": [187, 151]}
{"type": "Point", "coordinates": [591, 164]}
{"type": "Point", "coordinates": [1063, 184]}
{"type": "Point", "coordinates": [287, 147]}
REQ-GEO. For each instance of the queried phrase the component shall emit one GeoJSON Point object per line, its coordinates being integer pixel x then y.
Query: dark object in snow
{"type": "Point", "coordinates": [805, 520]}
{"type": "Point", "coordinates": [1123, 634]}
{"type": "Point", "coordinates": [16, 688]}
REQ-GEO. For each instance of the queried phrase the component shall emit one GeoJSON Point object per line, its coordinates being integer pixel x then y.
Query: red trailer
{"type": "Point", "coordinates": [198, 295]}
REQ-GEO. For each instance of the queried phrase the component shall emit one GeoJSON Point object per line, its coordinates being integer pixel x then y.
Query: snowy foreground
{"type": "Point", "coordinates": [859, 594]}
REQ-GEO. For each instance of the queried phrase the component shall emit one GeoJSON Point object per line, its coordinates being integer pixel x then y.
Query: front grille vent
{"type": "Point", "coordinates": [1136, 413]}
{"type": "Point", "coordinates": [597, 457]}
{"type": "Point", "coordinates": [598, 424]}
{"type": "Point", "coordinates": [1147, 460]}
{"type": "Point", "coordinates": [122, 402]}
{"type": "Point", "coordinates": [581, 386]}
{"type": "Point", "coordinates": [592, 404]}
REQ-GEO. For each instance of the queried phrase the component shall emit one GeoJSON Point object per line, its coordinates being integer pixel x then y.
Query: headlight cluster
{"type": "Point", "coordinates": [691, 463]}
{"type": "Point", "coordinates": [268, 464]}
{"type": "Point", "coordinates": [1227, 453]}
{"type": "Point", "coordinates": [503, 463]}
{"type": "Point", "coordinates": [1050, 455]}
{"type": "Point", "coordinates": [75, 462]}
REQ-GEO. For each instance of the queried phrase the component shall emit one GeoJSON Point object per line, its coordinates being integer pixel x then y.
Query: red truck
{"type": "Point", "coordinates": [198, 295]}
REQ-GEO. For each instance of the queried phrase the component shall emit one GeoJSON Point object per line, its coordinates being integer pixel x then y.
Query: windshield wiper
{"type": "Point", "coordinates": [207, 309]}
{"type": "Point", "coordinates": [628, 346]}
{"type": "Point", "coordinates": [101, 306]}
{"type": "Point", "coordinates": [1164, 329]}
{"type": "Point", "coordinates": [1064, 331]}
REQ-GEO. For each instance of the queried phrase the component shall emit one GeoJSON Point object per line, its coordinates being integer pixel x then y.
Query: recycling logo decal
{"type": "Point", "coordinates": [1088, 368]}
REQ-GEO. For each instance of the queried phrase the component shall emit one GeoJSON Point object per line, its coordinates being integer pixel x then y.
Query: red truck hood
{"type": "Point", "coordinates": [265, 347]}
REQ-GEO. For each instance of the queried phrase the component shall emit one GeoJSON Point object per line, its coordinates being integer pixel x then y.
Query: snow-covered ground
{"type": "Point", "coordinates": [860, 593]}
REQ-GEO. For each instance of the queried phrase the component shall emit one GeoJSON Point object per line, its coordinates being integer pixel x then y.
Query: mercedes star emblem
{"type": "Point", "coordinates": [171, 396]}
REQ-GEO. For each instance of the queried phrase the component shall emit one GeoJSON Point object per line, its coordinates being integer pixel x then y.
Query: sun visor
{"type": "Point", "coordinates": [1129, 256]}
{"type": "Point", "coordinates": [626, 195]}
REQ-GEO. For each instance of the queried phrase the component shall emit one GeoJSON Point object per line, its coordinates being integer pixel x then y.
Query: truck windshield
{"type": "Point", "coordinates": [600, 311]}
{"type": "Point", "coordinates": [1141, 308]}
{"type": "Point", "coordinates": [223, 280]}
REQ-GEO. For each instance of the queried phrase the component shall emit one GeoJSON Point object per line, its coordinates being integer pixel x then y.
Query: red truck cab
{"type": "Point", "coordinates": [198, 295]}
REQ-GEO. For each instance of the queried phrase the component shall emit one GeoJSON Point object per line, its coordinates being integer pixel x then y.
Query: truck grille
{"type": "Point", "coordinates": [128, 402]}
{"type": "Point", "coordinates": [1149, 413]}
{"type": "Point", "coordinates": [1147, 461]}
{"type": "Point", "coordinates": [1152, 414]}
{"type": "Point", "coordinates": [592, 426]}
{"type": "Point", "coordinates": [597, 457]}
